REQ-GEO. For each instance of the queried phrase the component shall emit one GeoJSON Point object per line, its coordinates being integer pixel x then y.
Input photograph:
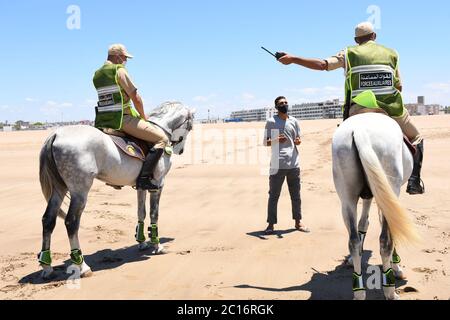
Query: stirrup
{"type": "Point", "coordinates": [414, 189]}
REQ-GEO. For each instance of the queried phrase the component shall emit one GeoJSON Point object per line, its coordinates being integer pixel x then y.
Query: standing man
{"type": "Point", "coordinates": [372, 81]}
{"type": "Point", "coordinates": [282, 133]}
{"type": "Point", "coordinates": [114, 111]}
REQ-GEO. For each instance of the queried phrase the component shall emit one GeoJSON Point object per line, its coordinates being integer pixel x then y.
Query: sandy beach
{"type": "Point", "coordinates": [212, 212]}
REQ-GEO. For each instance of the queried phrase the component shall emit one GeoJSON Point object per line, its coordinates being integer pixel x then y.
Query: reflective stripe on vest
{"type": "Point", "coordinates": [378, 78]}
{"type": "Point", "coordinates": [106, 101]}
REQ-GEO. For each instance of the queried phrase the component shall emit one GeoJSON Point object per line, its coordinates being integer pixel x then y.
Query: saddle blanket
{"type": "Point", "coordinates": [131, 146]}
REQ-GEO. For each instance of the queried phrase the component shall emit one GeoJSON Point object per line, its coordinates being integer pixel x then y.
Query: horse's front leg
{"type": "Point", "coordinates": [155, 197]}
{"type": "Point", "coordinates": [140, 236]}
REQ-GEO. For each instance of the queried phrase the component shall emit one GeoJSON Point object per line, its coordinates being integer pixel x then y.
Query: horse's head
{"type": "Point", "coordinates": [179, 134]}
{"type": "Point", "coordinates": [177, 120]}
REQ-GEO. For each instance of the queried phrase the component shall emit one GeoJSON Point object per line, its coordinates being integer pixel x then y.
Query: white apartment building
{"type": "Point", "coordinates": [305, 111]}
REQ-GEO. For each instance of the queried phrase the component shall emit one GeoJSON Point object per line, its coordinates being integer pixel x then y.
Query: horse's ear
{"type": "Point", "coordinates": [192, 112]}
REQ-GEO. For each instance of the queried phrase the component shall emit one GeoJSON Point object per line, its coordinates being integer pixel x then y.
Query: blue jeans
{"type": "Point", "coordinates": [276, 183]}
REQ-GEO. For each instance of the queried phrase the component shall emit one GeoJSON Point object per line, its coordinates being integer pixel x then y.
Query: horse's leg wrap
{"type": "Point", "coordinates": [45, 257]}
{"type": "Point", "coordinates": [140, 237]}
{"type": "Point", "coordinates": [358, 284]}
{"type": "Point", "coordinates": [395, 263]}
{"type": "Point", "coordinates": [389, 278]}
{"type": "Point", "coordinates": [76, 257]}
{"type": "Point", "coordinates": [153, 234]}
{"type": "Point", "coordinates": [396, 258]}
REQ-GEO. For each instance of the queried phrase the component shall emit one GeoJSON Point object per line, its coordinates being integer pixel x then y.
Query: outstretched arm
{"type": "Point", "coordinates": [310, 63]}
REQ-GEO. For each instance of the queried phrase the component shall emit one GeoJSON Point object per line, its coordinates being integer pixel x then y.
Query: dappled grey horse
{"type": "Point", "coordinates": [73, 156]}
{"type": "Point", "coordinates": [369, 148]}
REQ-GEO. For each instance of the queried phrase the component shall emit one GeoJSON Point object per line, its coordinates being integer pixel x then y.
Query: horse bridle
{"type": "Point", "coordinates": [174, 143]}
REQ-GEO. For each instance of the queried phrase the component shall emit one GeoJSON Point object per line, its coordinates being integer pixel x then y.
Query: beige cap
{"type": "Point", "coordinates": [118, 49]}
{"type": "Point", "coordinates": [364, 29]}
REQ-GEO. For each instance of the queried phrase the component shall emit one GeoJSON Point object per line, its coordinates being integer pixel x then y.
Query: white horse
{"type": "Point", "coordinates": [74, 156]}
{"type": "Point", "coordinates": [369, 148]}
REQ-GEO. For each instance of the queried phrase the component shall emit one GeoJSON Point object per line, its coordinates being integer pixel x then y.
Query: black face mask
{"type": "Point", "coordinates": [283, 108]}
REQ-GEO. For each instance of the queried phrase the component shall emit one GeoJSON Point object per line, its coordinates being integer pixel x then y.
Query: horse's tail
{"type": "Point", "coordinates": [51, 180]}
{"type": "Point", "coordinates": [400, 225]}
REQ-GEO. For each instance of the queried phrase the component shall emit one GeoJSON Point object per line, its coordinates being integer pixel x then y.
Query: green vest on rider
{"type": "Point", "coordinates": [372, 68]}
{"type": "Point", "coordinates": [111, 104]}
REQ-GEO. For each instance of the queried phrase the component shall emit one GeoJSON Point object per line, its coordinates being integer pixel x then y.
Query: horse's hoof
{"type": "Point", "coordinates": [158, 249]}
{"type": "Point", "coordinates": [390, 294]}
{"type": "Point", "coordinates": [143, 246]}
{"type": "Point", "coordinates": [359, 295]}
{"type": "Point", "coordinates": [47, 272]}
{"type": "Point", "coordinates": [85, 270]}
{"type": "Point", "coordinates": [81, 271]}
{"type": "Point", "coordinates": [87, 274]}
{"type": "Point", "coordinates": [393, 297]}
{"type": "Point", "coordinates": [398, 272]}
{"type": "Point", "coordinates": [400, 275]}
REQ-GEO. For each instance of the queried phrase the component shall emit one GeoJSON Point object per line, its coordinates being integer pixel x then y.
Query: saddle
{"type": "Point", "coordinates": [130, 145]}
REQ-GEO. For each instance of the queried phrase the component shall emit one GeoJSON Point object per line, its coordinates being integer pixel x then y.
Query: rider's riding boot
{"type": "Point", "coordinates": [415, 184]}
{"type": "Point", "coordinates": [144, 182]}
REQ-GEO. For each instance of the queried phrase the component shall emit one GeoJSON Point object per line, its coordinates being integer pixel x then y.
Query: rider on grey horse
{"type": "Point", "coordinates": [370, 66]}
{"type": "Point", "coordinates": [114, 111]}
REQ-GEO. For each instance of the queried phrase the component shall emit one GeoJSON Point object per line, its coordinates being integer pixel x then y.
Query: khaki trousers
{"type": "Point", "coordinates": [144, 130]}
{"type": "Point", "coordinates": [404, 121]}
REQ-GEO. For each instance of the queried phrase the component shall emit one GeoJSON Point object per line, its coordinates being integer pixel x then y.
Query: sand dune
{"type": "Point", "coordinates": [212, 212]}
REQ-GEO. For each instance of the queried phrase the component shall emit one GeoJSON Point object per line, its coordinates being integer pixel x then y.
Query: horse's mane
{"type": "Point", "coordinates": [165, 108]}
{"type": "Point", "coordinates": [169, 109]}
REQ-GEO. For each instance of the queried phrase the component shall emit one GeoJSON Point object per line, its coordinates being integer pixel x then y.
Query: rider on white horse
{"type": "Point", "coordinates": [114, 111]}
{"type": "Point", "coordinates": [370, 66]}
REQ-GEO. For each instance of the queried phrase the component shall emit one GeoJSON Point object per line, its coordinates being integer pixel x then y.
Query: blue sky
{"type": "Point", "coordinates": [206, 54]}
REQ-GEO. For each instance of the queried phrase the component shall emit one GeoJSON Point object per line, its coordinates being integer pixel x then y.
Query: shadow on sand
{"type": "Point", "coordinates": [101, 260]}
{"type": "Point", "coordinates": [277, 233]}
{"type": "Point", "coordinates": [331, 285]}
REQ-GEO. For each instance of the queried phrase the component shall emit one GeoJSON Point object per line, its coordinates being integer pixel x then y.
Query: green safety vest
{"type": "Point", "coordinates": [371, 78]}
{"type": "Point", "coordinates": [110, 106]}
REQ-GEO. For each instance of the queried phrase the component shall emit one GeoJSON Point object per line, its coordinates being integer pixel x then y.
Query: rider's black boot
{"type": "Point", "coordinates": [415, 184]}
{"type": "Point", "coordinates": [144, 182]}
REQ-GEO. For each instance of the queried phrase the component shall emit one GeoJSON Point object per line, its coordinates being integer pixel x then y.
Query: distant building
{"type": "Point", "coordinates": [22, 125]}
{"type": "Point", "coordinates": [318, 110]}
{"type": "Point", "coordinates": [421, 100]}
{"type": "Point", "coordinates": [306, 111]}
{"type": "Point", "coordinates": [421, 109]}
{"type": "Point", "coordinates": [251, 115]}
